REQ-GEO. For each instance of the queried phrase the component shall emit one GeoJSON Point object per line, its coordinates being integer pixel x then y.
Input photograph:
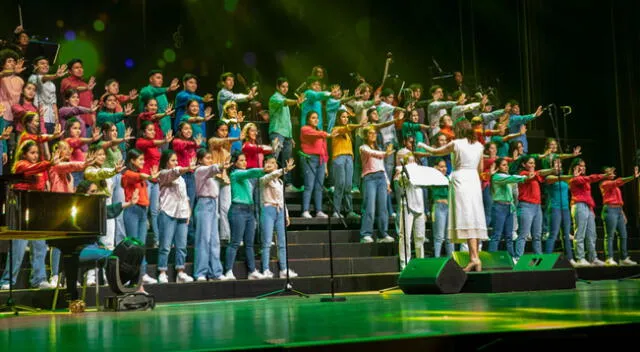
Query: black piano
{"type": "Point", "coordinates": [67, 221]}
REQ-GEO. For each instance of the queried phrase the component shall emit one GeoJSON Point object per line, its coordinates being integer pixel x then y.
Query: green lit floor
{"type": "Point", "coordinates": [293, 321]}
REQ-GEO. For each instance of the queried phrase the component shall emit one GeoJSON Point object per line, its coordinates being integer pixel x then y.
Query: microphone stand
{"type": "Point", "coordinates": [333, 297]}
{"type": "Point", "coordinates": [288, 286]}
{"type": "Point", "coordinates": [404, 204]}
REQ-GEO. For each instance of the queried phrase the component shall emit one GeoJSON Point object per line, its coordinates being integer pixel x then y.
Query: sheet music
{"type": "Point", "coordinates": [423, 176]}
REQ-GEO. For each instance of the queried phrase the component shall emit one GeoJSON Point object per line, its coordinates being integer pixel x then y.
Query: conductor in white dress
{"type": "Point", "coordinates": [466, 212]}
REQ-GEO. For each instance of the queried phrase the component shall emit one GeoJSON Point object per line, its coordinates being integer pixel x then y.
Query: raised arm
{"type": "Point", "coordinates": [444, 150]}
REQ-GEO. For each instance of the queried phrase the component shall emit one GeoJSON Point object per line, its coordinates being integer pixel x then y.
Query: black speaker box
{"type": "Point", "coordinates": [432, 275]}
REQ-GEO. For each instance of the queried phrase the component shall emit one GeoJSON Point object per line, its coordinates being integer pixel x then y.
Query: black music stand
{"type": "Point", "coordinates": [10, 305]}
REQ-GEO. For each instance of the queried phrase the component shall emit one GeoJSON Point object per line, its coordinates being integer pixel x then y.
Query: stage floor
{"type": "Point", "coordinates": [292, 322]}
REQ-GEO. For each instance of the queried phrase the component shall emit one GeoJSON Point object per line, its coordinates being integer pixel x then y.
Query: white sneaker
{"type": "Point", "coordinates": [163, 278]}
{"type": "Point", "coordinates": [223, 278]}
{"type": "Point", "coordinates": [4, 287]}
{"type": "Point", "coordinates": [515, 260]}
{"type": "Point", "coordinates": [583, 263]}
{"type": "Point", "coordinates": [573, 263]}
{"type": "Point", "coordinates": [610, 262]}
{"type": "Point", "coordinates": [148, 280]}
{"type": "Point", "coordinates": [45, 285]}
{"type": "Point", "coordinates": [394, 215]}
{"type": "Point", "coordinates": [91, 277]}
{"type": "Point", "coordinates": [255, 275]}
{"type": "Point", "coordinates": [366, 239]}
{"type": "Point", "coordinates": [321, 215]}
{"type": "Point", "coordinates": [306, 215]}
{"type": "Point", "coordinates": [201, 279]}
{"type": "Point", "coordinates": [385, 239]}
{"type": "Point", "coordinates": [597, 262]}
{"type": "Point", "coordinates": [183, 278]}
{"type": "Point", "coordinates": [229, 275]}
{"type": "Point", "coordinates": [267, 274]}
{"type": "Point", "coordinates": [335, 215]}
{"type": "Point", "coordinates": [628, 261]}
{"type": "Point", "coordinates": [53, 281]}
{"type": "Point", "coordinates": [292, 274]}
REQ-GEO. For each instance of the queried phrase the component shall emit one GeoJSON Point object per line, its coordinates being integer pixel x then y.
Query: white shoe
{"type": "Point", "coordinates": [53, 281]}
{"type": "Point", "coordinates": [91, 277]}
{"type": "Point", "coordinates": [223, 278]}
{"type": "Point", "coordinates": [229, 275]}
{"type": "Point", "coordinates": [292, 274]}
{"type": "Point", "coordinates": [597, 262]}
{"type": "Point", "coordinates": [267, 274]}
{"type": "Point", "coordinates": [385, 239]}
{"type": "Point", "coordinates": [573, 263]}
{"type": "Point", "coordinates": [321, 215]}
{"type": "Point", "coordinates": [183, 278]}
{"type": "Point", "coordinates": [4, 287]}
{"type": "Point", "coordinates": [366, 239]}
{"type": "Point", "coordinates": [162, 278]}
{"type": "Point", "coordinates": [201, 279]}
{"type": "Point", "coordinates": [610, 262]}
{"type": "Point", "coordinates": [148, 280]}
{"type": "Point", "coordinates": [515, 260]}
{"type": "Point", "coordinates": [335, 215]}
{"type": "Point", "coordinates": [628, 261]}
{"type": "Point", "coordinates": [394, 215]}
{"type": "Point", "coordinates": [583, 263]}
{"type": "Point", "coordinates": [306, 215]}
{"type": "Point", "coordinates": [45, 285]}
{"type": "Point", "coordinates": [255, 275]}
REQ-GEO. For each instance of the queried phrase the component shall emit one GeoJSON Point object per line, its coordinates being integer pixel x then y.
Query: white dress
{"type": "Point", "coordinates": [466, 211]}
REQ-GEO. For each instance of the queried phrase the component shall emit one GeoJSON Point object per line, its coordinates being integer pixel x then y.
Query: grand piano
{"type": "Point", "coordinates": [67, 221]}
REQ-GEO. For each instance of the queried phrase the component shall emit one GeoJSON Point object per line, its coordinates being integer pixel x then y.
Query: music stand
{"type": "Point", "coordinates": [418, 176]}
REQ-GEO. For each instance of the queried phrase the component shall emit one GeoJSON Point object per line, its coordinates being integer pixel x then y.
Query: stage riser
{"type": "Point", "coordinates": [513, 281]}
{"type": "Point", "coordinates": [218, 290]}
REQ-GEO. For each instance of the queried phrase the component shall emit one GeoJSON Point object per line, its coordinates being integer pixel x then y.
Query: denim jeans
{"type": "Point", "coordinates": [190, 182]}
{"type": "Point", "coordinates": [273, 219]}
{"type": "Point", "coordinates": [502, 216]}
{"type": "Point", "coordinates": [342, 178]}
{"type": "Point", "coordinates": [38, 253]}
{"type": "Point", "coordinates": [207, 262]}
{"type": "Point", "coordinates": [487, 201]}
{"type": "Point", "coordinates": [613, 220]}
{"type": "Point", "coordinates": [118, 197]}
{"type": "Point", "coordinates": [530, 219]}
{"type": "Point", "coordinates": [584, 226]}
{"type": "Point", "coordinates": [375, 189]}
{"type": "Point", "coordinates": [439, 223]}
{"type": "Point", "coordinates": [243, 227]}
{"type": "Point", "coordinates": [557, 218]}
{"type": "Point", "coordinates": [54, 260]}
{"type": "Point", "coordinates": [283, 154]}
{"type": "Point", "coordinates": [135, 222]}
{"type": "Point", "coordinates": [313, 182]}
{"type": "Point", "coordinates": [153, 190]}
{"type": "Point", "coordinates": [224, 202]}
{"type": "Point", "coordinates": [174, 230]}
{"type": "Point", "coordinates": [49, 127]}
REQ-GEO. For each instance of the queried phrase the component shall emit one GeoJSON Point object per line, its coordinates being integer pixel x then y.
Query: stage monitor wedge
{"type": "Point", "coordinates": [530, 262]}
{"type": "Point", "coordinates": [432, 275]}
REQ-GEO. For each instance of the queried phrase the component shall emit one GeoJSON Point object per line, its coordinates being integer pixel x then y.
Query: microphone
{"type": "Point", "coordinates": [433, 59]}
{"type": "Point", "coordinates": [304, 155]}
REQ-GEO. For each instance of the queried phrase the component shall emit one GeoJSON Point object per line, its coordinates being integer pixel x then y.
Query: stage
{"type": "Point", "coordinates": [583, 316]}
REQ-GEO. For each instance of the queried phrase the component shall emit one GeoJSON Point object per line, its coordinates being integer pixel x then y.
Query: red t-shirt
{"type": "Point", "coordinates": [148, 116]}
{"type": "Point", "coordinates": [85, 97]}
{"type": "Point", "coordinates": [151, 154]}
{"type": "Point", "coordinates": [131, 181]}
{"type": "Point", "coordinates": [529, 190]}
{"type": "Point", "coordinates": [77, 154]}
{"type": "Point", "coordinates": [185, 151]}
{"type": "Point", "coordinates": [580, 188]}
{"type": "Point", "coordinates": [312, 141]}
{"type": "Point", "coordinates": [611, 194]}
{"type": "Point", "coordinates": [35, 171]}
{"type": "Point", "coordinates": [254, 154]}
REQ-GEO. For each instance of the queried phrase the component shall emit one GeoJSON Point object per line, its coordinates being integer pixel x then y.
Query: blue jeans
{"type": "Point", "coordinates": [174, 230]}
{"type": "Point", "coordinates": [375, 189]}
{"type": "Point", "coordinates": [54, 261]}
{"type": "Point", "coordinates": [153, 190]}
{"type": "Point", "coordinates": [487, 201]}
{"type": "Point", "coordinates": [557, 218]}
{"type": "Point", "coordinates": [440, 220]}
{"type": "Point", "coordinates": [49, 127]}
{"type": "Point", "coordinates": [530, 222]}
{"type": "Point", "coordinates": [613, 220]}
{"type": "Point", "coordinates": [135, 222]}
{"type": "Point", "coordinates": [502, 216]}
{"type": "Point", "coordinates": [273, 218]}
{"type": "Point", "coordinates": [283, 154]}
{"type": "Point", "coordinates": [190, 182]}
{"type": "Point", "coordinates": [37, 254]}
{"type": "Point", "coordinates": [243, 227]}
{"type": "Point", "coordinates": [207, 263]}
{"type": "Point", "coordinates": [118, 197]}
{"type": "Point", "coordinates": [224, 202]}
{"type": "Point", "coordinates": [313, 182]}
{"type": "Point", "coordinates": [342, 178]}
{"type": "Point", "coordinates": [584, 225]}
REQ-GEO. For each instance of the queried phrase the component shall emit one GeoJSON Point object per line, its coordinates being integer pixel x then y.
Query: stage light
{"type": "Point", "coordinates": [83, 49]}
{"type": "Point", "coordinates": [26, 216]}
{"type": "Point", "coordinates": [74, 211]}
{"type": "Point", "coordinates": [70, 35]}
{"type": "Point", "coordinates": [128, 63]}
{"type": "Point", "coordinates": [229, 44]}
{"type": "Point", "coordinates": [250, 59]}
{"type": "Point", "coordinates": [169, 55]}
{"type": "Point", "coordinates": [161, 63]}
{"type": "Point", "coordinates": [98, 25]}
{"type": "Point", "coordinates": [59, 23]}
{"type": "Point", "coordinates": [230, 5]}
